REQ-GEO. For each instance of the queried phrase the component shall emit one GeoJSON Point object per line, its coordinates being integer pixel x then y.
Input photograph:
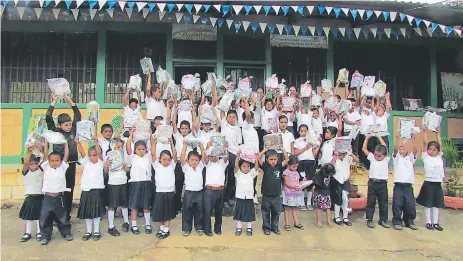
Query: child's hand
{"type": "Point", "coordinates": [67, 96]}
{"type": "Point", "coordinates": [125, 167]}
{"type": "Point", "coordinates": [438, 129]}
{"type": "Point", "coordinates": [153, 138]}
{"type": "Point", "coordinates": [226, 144]}
{"type": "Point", "coordinates": [209, 144]}
{"type": "Point", "coordinates": [95, 139]}
{"type": "Point", "coordinates": [54, 98]}
{"type": "Point", "coordinates": [76, 139]}
{"type": "Point", "coordinates": [132, 130]}
{"type": "Point", "coordinates": [108, 163]}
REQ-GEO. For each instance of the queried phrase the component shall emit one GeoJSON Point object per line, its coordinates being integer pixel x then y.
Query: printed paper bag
{"type": "Point", "coordinates": [85, 130]}
{"type": "Point", "coordinates": [207, 114]}
{"type": "Point", "coordinates": [342, 144]}
{"type": "Point", "coordinates": [242, 92]}
{"type": "Point", "coordinates": [327, 85]}
{"type": "Point", "coordinates": [344, 106]}
{"type": "Point", "coordinates": [206, 87]}
{"type": "Point", "coordinates": [248, 153]}
{"type": "Point", "coordinates": [431, 120]}
{"type": "Point", "coordinates": [117, 160]}
{"type": "Point", "coordinates": [59, 86]}
{"type": "Point", "coordinates": [218, 152]}
{"type": "Point", "coordinates": [273, 141]}
{"type": "Point", "coordinates": [316, 100]}
{"type": "Point", "coordinates": [343, 75]}
{"type": "Point", "coordinates": [135, 82]}
{"type": "Point", "coordinates": [313, 136]}
{"type": "Point", "coordinates": [369, 81]}
{"type": "Point", "coordinates": [54, 137]}
{"type": "Point", "coordinates": [245, 83]}
{"type": "Point", "coordinates": [146, 65]}
{"type": "Point", "coordinates": [218, 141]}
{"type": "Point", "coordinates": [373, 130]}
{"type": "Point", "coordinates": [193, 143]}
{"type": "Point", "coordinates": [226, 101]}
{"type": "Point", "coordinates": [330, 103]}
{"type": "Point", "coordinates": [164, 132]}
{"type": "Point", "coordinates": [271, 83]}
{"type": "Point", "coordinates": [306, 89]}
{"type": "Point", "coordinates": [142, 130]}
{"type": "Point", "coordinates": [197, 85]}
{"type": "Point", "coordinates": [368, 91]}
{"type": "Point", "coordinates": [93, 111]}
{"type": "Point", "coordinates": [171, 91]}
{"type": "Point", "coordinates": [188, 82]}
{"type": "Point", "coordinates": [35, 140]}
{"type": "Point", "coordinates": [406, 128]}
{"type": "Point", "coordinates": [288, 103]}
{"type": "Point", "coordinates": [380, 88]}
{"type": "Point", "coordinates": [357, 80]}
{"type": "Point", "coordinates": [272, 125]}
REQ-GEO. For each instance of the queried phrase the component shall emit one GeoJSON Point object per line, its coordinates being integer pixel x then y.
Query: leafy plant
{"type": "Point", "coordinates": [450, 151]}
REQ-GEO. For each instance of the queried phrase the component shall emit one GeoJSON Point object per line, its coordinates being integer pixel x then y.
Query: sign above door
{"type": "Point", "coordinates": [194, 32]}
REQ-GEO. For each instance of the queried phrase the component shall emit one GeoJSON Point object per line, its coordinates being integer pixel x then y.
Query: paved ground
{"type": "Point", "coordinates": [342, 243]}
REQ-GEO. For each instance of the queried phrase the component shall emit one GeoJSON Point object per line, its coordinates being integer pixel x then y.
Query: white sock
{"type": "Point", "coordinates": [435, 215]}
{"type": "Point", "coordinates": [249, 225]}
{"type": "Point", "coordinates": [110, 219]}
{"type": "Point", "coordinates": [166, 229]}
{"type": "Point", "coordinates": [37, 225]}
{"type": "Point", "coordinates": [337, 210]}
{"type": "Point", "coordinates": [96, 225]}
{"type": "Point", "coordinates": [238, 224]}
{"type": "Point", "coordinates": [88, 225]}
{"type": "Point", "coordinates": [345, 204]}
{"type": "Point", "coordinates": [134, 223]}
{"type": "Point", "coordinates": [161, 228]}
{"type": "Point", "coordinates": [427, 214]}
{"type": "Point", "coordinates": [125, 214]}
{"type": "Point", "coordinates": [28, 226]}
{"type": "Point", "coordinates": [309, 198]}
{"type": "Point", "coordinates": [147, 219]}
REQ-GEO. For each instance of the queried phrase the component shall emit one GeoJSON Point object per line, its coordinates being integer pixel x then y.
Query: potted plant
{"type": "Point", "coordinates": [453, 190]}
{"type": "Point", "coordinates": [357, 201]}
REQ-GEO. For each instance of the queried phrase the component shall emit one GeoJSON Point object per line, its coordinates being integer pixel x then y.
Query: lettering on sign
{"type": "Point", "coordinates": [320, 42]}
{"type": "Point", "coordinates": [194, 32]}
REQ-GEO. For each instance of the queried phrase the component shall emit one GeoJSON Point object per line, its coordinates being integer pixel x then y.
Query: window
{"type": "Point", "coordinates": [188, 49]}
{"type": "Point", "coordinates": [29, 59]}
{"type": "Point", "coordinates": [449, 60]}
{"type": "Point", "coordinates": [124, 51]}
{"type": "Point", "coordinates": [245, 48]}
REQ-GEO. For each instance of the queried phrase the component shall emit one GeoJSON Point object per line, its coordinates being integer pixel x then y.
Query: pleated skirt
{"type": "Point", "coordinates": [117, 196]}
{"type": "Point", "coordinates": [244, 210]}
{"type": "Point", "coordinates": [91, 204]}
{"type": "Point", "coordinates": [163, 207]}
{"type": "Point", "coordinates": [431, 195]}
{"type": "Point", "coordinates": [32, 205]}
{"type": "Point", "coordinates": [141, 194]}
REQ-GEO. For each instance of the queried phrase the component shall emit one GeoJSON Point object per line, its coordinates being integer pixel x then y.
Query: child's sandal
{"type": "Point", "coordinates": [238, 232]}
{"type": "Point", "coordinates": [26, 237]}
{"type": "Point", "coordinates": [87, 236]}
{"type": "Point", "coordinates": [148, 229]}
{"type": "Point", "coordinates": [299, 226]}
{"type": "Point", "coordinates": [249, 232]}
{"type": "Point", "coordinates": [287, 228]}
{"type": "Point", "coordinates": [135, 230]}
{"type": "Point", "coordinates": [96, 236]}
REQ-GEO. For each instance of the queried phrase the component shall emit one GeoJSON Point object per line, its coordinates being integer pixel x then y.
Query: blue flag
{"type": "Point", "coordinates": [189, 7]}
{"type": "Point", "coordinates": [449, 30]}
{"type": "Point", "coordinates": [92, 3]}
{"type": "Point", "coordinates": [354, 13]}
{"type": "Point", "coordinates": [337, 11]}
{"type": "Point", "coordinates": [220, 22]}
{"type": "Point", "coordinates": [266, 9]}
{"type": "Point", "coordinates": [434, 27]}
{"type": "Point", "coordinates": [186, 19]}
{"type": "Point", "coordinates": [47, 2]}
{"type": "Point", "coordinates": [386, 15]}
{"type": "Point", "coordinates": [248, 9]}
{"type": "Point", "coordinates": [285, 9]}
{"type": "Point", "coordinates": [402, 17]}
{"type": "Point", "coordinates": [369, 14]}
{"type": "Point", "coordinates": [271, 28]}
{"type": "Point", "coordinates": [418, 21]}
{"type": "Point", "coordinates": [237, 26]}
{"type": "Point", "coordinates": [170, 7]}
{"type": "Point", "coordinates": [289, 29]}
{"type": "Point", "coordinates": [254, 27]}
{"type": "Point", "coordinates": [151, 6]}
{"type": "Point", "coordinates": [206, 8]}
{"type": "Point", "coordinates": [225, 9]}
{"type": "Point", "coordinates": [112, 3]}
{"type": "Point", "coordinates": [321, 9]}
{"type": "Point", "coordinates": [305, 30]}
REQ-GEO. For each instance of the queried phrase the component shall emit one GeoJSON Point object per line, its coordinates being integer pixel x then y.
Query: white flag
{"type": "Point", "coordinates": [345, 11]}
{"type": "Point", "coordinates": [378, 13]}
{"type": "Point", "coordinates": [161, 15]}
{"type": "Point", "coordinates": [312, 30]}
{"type": "Point", "coordinates": [41, 2]}
{"type": "Point", "coordinates": [229, 23]}
{"type": "Point", "coordinates": [295, 7]}
{"type": "Point", "coordinates": [75, 13]}
{"type": "Point", "coordinates": [262, 26]}
{"type": "Point", "coordinates": [387, 31]}
{"type": "Point", "coordinates": [276, 8]}
{"type": "Point", "coordinates": [16, 2]}
{"type": "Point", "coordinates": [195, 18]}
{"type": "Point", "coordinates": [92, 13]}
{"type": "Point", "coordinates": [161, 6]}
{"type": "Point", "coordinates": [442, 27]}
{"type": "Point", "coordinates": [21, 11]}
{"type": "Point", "coordinates": [179, 17]}
{"type": "Point", "coordinates": [110, 12]}
{"type": "Point", "coordinates": [310, 8]}
{"type": "Point", "coordinates": [280, 28]}
{"type": "Point", "coordinates": [140, 6]}
{"type": "Point", "coordinates": [121, 5]}
{"type": "Point", "coordinates": [101, 3]}
{"type": "Point", "coordinates": [410, 19]}
{"type": "Point", "coordinates": [145, 12]}
{"type": "Point", "coordinates": [246, 25]}
{"type": "Point", "coordinates": [129, 12]}
{"type": "Point", "coordinates": [403, 31]}
{"type": "Point", "coordinates": [56, 12]}
{"type": "Point", "coordinates": [237, 8]}
{"type": "Point", "coordinates": [197, 8]}
{"type": "Point", "coordinates": [418, 31]}
{"type": "Point", "coordinates": [179, 6]}
{"type": "Point", "coordinates": [217, 7]}
{"type": "Point", "coordinates": [213, 21]}
{"type": "Point", "coordinates": [326, 30]}
{"type": "Point", "coordinates": [361, 13]}
{"type": "Point", "coordinates": [343, 31]}
{"type": "Point", "coordinates": [257, 8]}
{"type": "Point", "coordinates": [373, 31]}
{"type": "Point", "coordinates": [296, 29]}
{"type": "Point", "coordinates": [458, 32]}
{"type": "Point", "coordinates": [328, 9]}
{"type": "Point", "coordinates": [357, 32]}
{"type": "Point", "coordinates": [429, 29]}
{"type": "Point", "coordinates": [38, 12]}
{"type": "Point", "coordinates": [426, 22]}
{"type": "Point", "coordinates": [393, 15]}
{"type": "Point", "coordinates": [57, 2]}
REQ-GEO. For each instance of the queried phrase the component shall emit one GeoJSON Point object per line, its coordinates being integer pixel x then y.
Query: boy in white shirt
{"type": "Point", "coordinates": [403, 200]}
{"type": "Point", "coordinates": [154, 104]}
{"type": "Point", "coordinates": [367, 119]}
{"type": "Point", "coordinates": [377, 183]}
{"type": "Point", "coordinates": [351, 121]}
{"type": "Point", "coordinates": [132, 112]}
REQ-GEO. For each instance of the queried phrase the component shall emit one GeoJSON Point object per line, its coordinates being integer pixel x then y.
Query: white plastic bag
{"type": "Point", "coordinates": [93, 111]}
{"type": "Point", "coordinates": [35, 140]}
{"type": "Point", "coordinates": [188, 82]}
{"type": "Point", "coordinates": [406, 128]}
{"type": "Point", "coordinates": [368, 91]}
{"type": "Point", "coordinates": [162, 76]}
{"type": "Point", "coordinates": [171, 91]}
{"type": "Point", "coordinates": [344, 106]}
{"type": "Point", "coordinates": [327, 86]}
{"type": "Point", "coordinates": [207, 114]}
{"type": "Point", "coordinates": [247, 153]}
{"type": "Point", "coordinates": [142, 130]}
{"type": "Point", "coordinates": [59, 86]}
{"type": "Point", "coordinates": [163, 133]}
{"type": "Point", "coordinates": [342, 144]}
{"type": "Point", "coordinates": [85, 130]}
{"type": "Point", "coordinates": [54, 137]}
{"type": "Point", "coordinates": [117, 160]}
{"type": "Point", "coordinates": [431, 120]}
{"type": "Point", "coordinates": [288, 103]}
{"type": "Point", "coordinates": [135, 82]}
{"type": "Point", "coordinates": [185, 105]}
{"type": "Point", "coordinates": [306, 89]}
{"type": "Point", "coordinates": [226, 101]}
{"type": "Point", "coordinates": [357, 80]}
{"type": "Point", "coordinates": [316, 100]}
{"type": "Point", "coordinates": [272, 125]}
{"type": "Point", "coordinates": [330, 103]}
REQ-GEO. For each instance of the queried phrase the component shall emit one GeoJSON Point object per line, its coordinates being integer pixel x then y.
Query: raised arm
{"type": "Point", "coordinates": [148, 84]}
{"type": "Point", "coordinates": [45, 150]}
{"type": "Point", "coordinates": [183, 155]}
{"type": "Point", "coordinates": [259, 157]}
{"type": "Point", "coordinates": [286, 158]}
{"type": "Point", "coordinates": [398, 143]}
{"type": "Point", "coordinates": [128, 144]}
{"type": "Point", "coordinates": [172, 148]}
{"type": "Point", "coordinates": [237, 161]}
{"type": "Point", "coordinates": [117, 135]}
{"type": "Point", "coordinates": [49, 116]}
{"type": "Point", "coordinates": [97, 147]}
{"type": "Point", "coordinates": [66, 152]}
{"type": "Point", "coordinates": [365, 146]}
{"type": "Point", "coordinates": [174, 120]}
{"type": "Point", "coordinates": [153, 140]}
{"type": "Point", "coordinates": [381, 140]}
{"type": "Point", "coordinates": [415, 149]}
{"type": "Point", "coordinates": [439, 138]}
{"type": "Point", "coordinates": [215, 97]}
{"type": "Point", "coordinates": [125, 98]}
{"type": "Point", "coordinates": [26, 160]}
{"type": "Point", "coordinates": [247, 110]}
{"type": "Point", "coordinates": [204, 157]}
{"type": "Point", "coordinates": [388, 102]}
{"type": "Point", "coordinates": [80, 149]}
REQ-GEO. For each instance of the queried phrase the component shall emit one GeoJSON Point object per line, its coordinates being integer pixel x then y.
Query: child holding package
{"type": "Point", "coordinates": [292, 194]}
{"type": "Point", "coordinates": [377, 183]}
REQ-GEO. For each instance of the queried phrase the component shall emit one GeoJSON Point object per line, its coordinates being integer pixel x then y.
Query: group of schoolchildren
{"type": "Point", "coordinates": [158, 183]}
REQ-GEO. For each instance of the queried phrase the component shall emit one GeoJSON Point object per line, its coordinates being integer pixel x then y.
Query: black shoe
{"type": "Point", "coordinates": [249, 232]}
{"type": "Point", "coordinates": [199, 232]}
{"type": "Point", "coordinates": [148, 229]}
{"type": "Point", "coordinates": [113, 232]}
{"type": "Point", "coordinates": [164, 235]}
{"type": "Point", "coordinates": [384, 224]}
{"type": "Point", "coordinates": [276, 231]}
{"type": "Point", "coordinates": [266, 232]}
{"type": "Point", "coordinates": [96, 236]}
{"type": "Point", "coordinates": [87, 236]}
{"type": "Point", "coordinates": [429, 226]}
{"type": "Point", "coordinates": [38, 236]}
{"type": "Point", "coordinates": [347, 222]}
{"type": "Point", "coordinates": [44, 241]}
{"type": "Point", "coordinates": [135, 230]}
{"type": "Point", "coordinates": [125, 227]}
{"type": "Point", "coordinates": [159, 233]}
{"type": "Point", "coordinates": [438, 227]}
{"type": "Point", "coordinates": [238, 232]}
{"type": "Point", "coordinates": [412, 227]}
{"type": "Point", "coordinates": [186, 233]}
{"type": "Point", "coordinates": [337, 221]}
{"type": "Point", "coordinates": [208, 233]}
{"type": "Point", "coordinates": [218, 232]}
{"type": "Point", "coordinates": [370, 224]}
{"type": "Point", "coordinates": [26, 237]}
{"type": "Point", "coordinates": [68, 237]}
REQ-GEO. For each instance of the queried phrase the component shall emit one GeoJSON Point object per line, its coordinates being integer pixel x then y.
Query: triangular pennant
{"type": "Point", "coordinates": [129, 12]}
{"type": "Point", "coordinates": [310, 8]}
{"type": "Point", "coordinates": [387, 31]}
{"type": "Point", "coordinates": [312, 30]}
{"type": "Point", "coordinates": [449, 30]}
{"type": "Point", "coordinates": [386, 15]}
{"type": "Point", "coordinates": [262, 26]}
{"type": "Point", "coordinates": [354, 13]}
{"type": "Point", "coordinates": [365, 33]}
{"type": "Point", "coordinates": [38, 12]}
{"type": "Point", "coordinates": [285, 9]}
{"type": "Point", "coordinates": [68, 3]}
{"type": "Point", "coordinates": [161, 15]}
{"type": "Point", "coordinates": [426, 22]}
{"type": "Point", "coordinates": [151, 6]}
{"type": "Point", "coordinates": [246, 25]}
{"type": "Point", "coordinates": [267, 9]}
{"type": "Point", "coordinates": [280, 28]}
{"type": "Point", "coordinates": [321, 9]}
{"type": "Point", "coordinates": [300, 10]}
{"type": "Point", "coordinates": [326, 30]}
{"type": "Point", "coordinates": [345, 11]}
{"type": "Point", "coordinates": [56, 12]}
{"type": "Point", "coordinates": [429, 30]}
{"type": "Point", "coordinates": [442, 27]}
{"type": "Point", "coordinates": [195, 18]}
{"type": "Point", "coordinates": [178, 16]}
{"type": "Point", "coordinates": [342, 31]}
{"type": "Point", "coordinates": [145, 11]}
{"type": "Point", "coordinates": [296, 29]}
{"type": "Point", "coordinates": [294, 7]}
{"type": "Point", "coordinates": [237, 8]}
{"type": "Point", "coordinates": [100, 14]}
{"type": "Point", "coordinates": [361, 13]}
{"type": "Point", "coordinates": [369, 14]}
{"type": "Point", "coordinates": [111, 3]}
{"type": "Point", "coordinates": [101, 3]}
{"type": "Point", "coordinates": [434, 27]}
{"type": "Point", "coordinates": [140, 5]}
{"type": "Point", "coordinates": [220, 22]}
{"type": "Point", "coordinates": [47, 2]}
{"type": "Point", "coordinates": [198, 7]}
{"type": "Point", "coordinates": [179, 6]}
{"type": "Point", "coordinates": [378, 13]}
{"type": "Point", "coordinates": [418, 21]}
{"type": "Point", "coordinates": [229, 23]}
{"type": "Point", "coordinates": [92, 13]}
{"type": "Point", "coordinates": [373, 31]}
{"type": "Point", "coordinates": [170, 7]}
{"type": "Point", "coordinates": [271, 28]}
{"type": "Point", "coordinates": [161, 6]}
{"type": "Point", "coordinates": [217, 7]}
{"type": "Point", "coordinates": [410, 19]}
{"type": "Point", "coordinates": [92, 3]}
{"type": "Point", "coordinates": [41, 2]}
{"type": "Point", "coordinates": [357, 32]}
{"type": "Point", "coordinates": [418, 31]}
{"type": "Point", "coordinates": [110, 12]}
{"type": "Point", "coordinates": [206, 8]}
{"type": "Point", "coordinates": [121, 5]}
{"type": "Point", "coordinates": [276, 8]}
{"type": "Point", "coordinates": [225, 9]}
{"type": "Point", "coordinates": [213, 20]}
{"type": "Point", "coordinates": [257, 8]}
{"type": "Point", "coordinates": [57, 2]}
{"type": "Point", "coordinates": [393, 16]}
{"type": "Point", "coordinates": [254, 27]}
{"type": "Point", "coordinates": [319, 31]}
{"type": "Point", "coordinates": [458, 32]}
{"type": "Point", "coordinates": [21, 10]}
{"type": "Point", "coordinates": [337, 11]}
{"type": "Point", "coordinates": [248, 9]}
{"type": "Point", "coordinates": [402, 17]}
{"type": "Point", "coordinates": [288, 29]}
{"type": "Point", "coordinates": [186, 19]}
{"type": "Point", "coordinates": [329, 9]}
{"type": "Point", "coordinates": [237, 26]}
{"type": "Point", "coordinates": [75, 13]}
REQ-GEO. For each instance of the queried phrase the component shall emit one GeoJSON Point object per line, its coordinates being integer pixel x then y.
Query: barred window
{"type": "Point", "coordinates": [124, 51]}
{"type": "Point", "coordinates": [29, 59]}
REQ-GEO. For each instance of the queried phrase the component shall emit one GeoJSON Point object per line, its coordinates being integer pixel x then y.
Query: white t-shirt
{"type": "Point", "coordinates": [193, 178]}
{"type": "Point", "coordinates": [250, 136]}
{"type": "Point", "coordinates": [215, 173]}
{"type": "Point", "coordinates": [131, 116]}
{"type": "Point", "coordinates": [92, 174]}
{"type": "Point", "coordinates": [184, 116]}
{"type": "Point", "coordinates": [155, 108]}
{"type": "Point", "coordinates": [433, 167]}
{"type": "Point", "coordinates": [304, 119]}
{"type": "Point", "coordinates": [330, 123]}
{"type": "Point", "coordinates": [288, 138]}
{"type": "Point", "coordinates": [290, 122]}
{"type": "Point", "coordinates": [404, 172]}
{"type": "Point", "coordinates": [378, 169]}
{"type": "Point", "coordinates": [354, 116]}
{"type": "Point", "coordinates": [179, 139]}
{"type": "Point", "coordinates": [382, 122]}
{"type": "Point", "coordinates": [33, 181]}
{"type": "Point", "coordinates": [205, 137]}
{"type": "Point", "coordinates": [366, 122]}
{"type": "Point", "coordinates": [141, 167]}
{"type": "Point", "coordinates": [300, 143]}
{"type": "Point", "coordinates": [232, 136]}
{"type": "Point", "coordinates": [240, 112]}
{"type": "Point", "coordinates": [327, 152]}
{"type": "Point", "coordinates": [164, 177]}
{"type": "Point", "coordinates": [342, 168]}
{"type": "Point", "coordinates": [317, 125]}
{"type": "Point", "coordinates": [245, 184]}
{"type": "Point", "coordinates": [266, 115]}
{"type": "Point", "coordinates": [105, 145]}
{"type": "Point", "coordinates": [54, 180]}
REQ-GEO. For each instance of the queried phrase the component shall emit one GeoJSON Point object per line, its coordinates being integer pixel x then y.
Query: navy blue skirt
{"type": "Point", "coordinates": [245, 210]}
{"type": "Point", "coordinates": [141, 194]}
{"type": "Point", "coordinates": [30, 210]}
{"type": "Point", "coordinates": [91, 204]}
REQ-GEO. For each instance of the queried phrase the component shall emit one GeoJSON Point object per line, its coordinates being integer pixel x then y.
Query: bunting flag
{"type": "Point", "coordinates": [262, 26]}
{"type": "Point", "coordinates": [271, 28]}
{"type": "Point", "coordinates": [170, 7]}
{"type": "Point", "coordinates": [246, 25]}
{"type": "Point", "coordinates": [161, 14]}
{"type": "Point", "coordinates": [101, 3]}
{"type": "Point", "coordinates": [285, 10]}
{"type": "Point", "coordinates": [402, 17]}
{"type": "Point", "coordinates": [378, 13]}
{"type": "Point", "coordinates": [280, 28]}
{"type": "Point", "coordinates": [247, 9]}
{"type": "Point", "coordinates": [229, 23]}
{"type": "Point", "coordinates": [393, 16]}
{"type": "Point", "coordinates": [197, 8]}
{"type": "Point", "coordinates": [41, 2]}
{"type": "Point", "coordinates": [161, 6]}
{"type": "Point", "coordinates": [369, 14]}
{"type": "Point", "coordinates": [213, 21]}
{"type": "Point", "coordinates": [217, 7]}
{"type": "Point", "coordinates": [110, 12]}
{"type": "Point", "coordinates": [101, 15]}
{"type": "Point", "coordinates": [373, 31]}
{"type": "Point", "coordinates": [195, 18]}
{"type": "Point", "coordinates": [361, 13]}
{"type": "Point", "coordinates": [257, 8]}
{"type": "Point", "coordinates": [276, 8]}
{"type": "Point", "coordinates": [288, 29]}
{"type": "Point", "coordinates": [387, 31]}
{"type": "Point", "coordinates": [329, 9]}
{"type": "Point", "coordinates": [179, 6]}
{"type": "Point", "coordinates": [141, 5]}
{"type": "Point", "coordinates": [337, 11]}
{"type": "Point", "coordinates": [327, 31]}
{"type": "Point", "coordinates": [129, 12]}
{"type": "Point", "coordinates": [410, 19]}
{"type": "Point", "coordinates": [403, 31]}
{"type": "Point", "coordinates": [266, 9]}
{"type": "Point", "coordinates": [434, 27]}
{"type": "Point", "coordinates": [38, 12]}
{"type": "Point", "coordinates": [111, 3]}
{"type": "Point", "coordinates": [92, 3]}
{"type": "Point", "coordinates": [305, 31]}
{"type": "Point", "coordinates": [225, 9]}
{"type": "Point", "coordinates": [345, 11]}
{"type": "Point", "coordinates": [319, 31]}
{"type": "Point", "coordinates": [426, 22]}
{"type": "Point", "coordinates": [47, 2]}
{"type": "Point", "coordinates": [220, 22]}
{"type": "Point", "coordinates": [206, 8]}
{"type": "Point", "coordinates": [310, 8]}
{"type": "Point", "coordinates": [354, 13]}
{"type": "Point", "coordinates": [56, 12]}
{"type": "Point", "coordinates": [335, 33]}
{"type": "Point", "coordinates": [186, 19]}
{"type": "Point", "coordinates": [349, 33]}
{"type": "Point", "coordinates": [300, 10]}
{"type": "Point", "coordinates": [386, 15]}
{"type": "Point", "coordinates": [357, 32]}
{"type": "Point", "coordinates": [21, 11]}
{"type": "Point", "coordinates": [296, 29]}
{"type": "Point", "coordinates": [342, 31]}
{"type": "Point", "coordinates": [254, 27]}
{"type": "Point", "coordinates": [92, 13]}
{"type": "Point", "coordinates": [312, 30]}
{"type": "Point", "coordinates": [121, 5]}
{"type": "Point", "coordinates": [429, 30]}
{"type": "Point", "coordinates": [57, 2]}
{"type": "Point", "coordinates": [75, 13]}
{"type": "Point", "coordinates": [449, 30]}
{"type": "Point", "coordinates": [442, 27]}
{"type": "Point", "coordinates": [237, 8]}
{"type": "Point", "coordinates": [151, 7]}
{"type": "Point", "coordinates": [365, 33]}
{"type": "Point", "coordinates": [418, 31]}
{"type": "Point", "coordinates": [178, 16]}
{"type": "Point", "coordinates": [418, 21]}
{"type": "Point", "coordinates": [237, 26]}
{"type": "Point", "coordinates": [457, 31]}
{"type": "Point", "coordinates": [68, 3]}
{"type": "Point", "coordinates": [321, 9]}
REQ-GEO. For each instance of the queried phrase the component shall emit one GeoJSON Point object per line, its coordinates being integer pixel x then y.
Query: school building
{"type": "Point", "coordinates": [97, 45]}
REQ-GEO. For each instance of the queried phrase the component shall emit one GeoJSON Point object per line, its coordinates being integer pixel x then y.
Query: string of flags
{"type": "Point", "coordinates": [192, 10]}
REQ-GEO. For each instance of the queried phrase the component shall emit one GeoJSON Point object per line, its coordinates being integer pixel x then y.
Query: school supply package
{"type": "Point", "coordinates": [343, 75]}
{"type": "Point", "coordinates": [357, 80]}
{"type": "Point", "coordinates": [344, 106]}
{"type": "Point", "coordinates": [369, 81]}
{"type": "Point", "coordinates": [207, 114]}
{"type": "Point", "coordinates": [244, 88]}
{"type": "Point", "coordinates": [146, 65]}
{"type": "Point", "coordinates": [306, 89]}
{"type": "Point", "coordinates": [327, 86]}
{"type": "Point", "coordinates": [93, 111]}
{"type": "Point", "coordinates": [305, 184]}
{"type": "Point", "coordinates": [162, 76]}
{"type": "Point", "coordinates": [368, 91]}
{"type": "Point", "coordinates": [407, 128]}
{"type": "Point", "coordinates": [226, 101]}
{"type": "Point", "coordinates": [54, 137]}
{"type": "Point", "coordinates": [217, 151]}
{"type": "Point", "coordinates": [185, 105]}
{"type": "Point", "coordinates": [331, 103]}
{"type": "Point", "coordinates": [247, 153]}
{"type": "Point", "coordinates": [273, 141]}
{"type": "Point", "coordinates": [117, 160]}
{"type": "Point", "coordinates": [380, 88]}
{"type": "Point", "coordinates": [171, 90]}
{"type": "Point", "coordinates": [142, 130]}
{"type": "Point", "coordinates": [272, 125]}
{"type": "Point", "coordinates": [35, 140]}
{"type": "Point", "coordinates": [271, 83]}
{"type": "Point", "coordinates": [288, 103]}
{"type": "Point", "coordinates": [163, 133]}
{"type": "Point", "coordinates": [193, 143]}
{"type": "Point", "coordinates": [189, 82]}
{"type": "Point", "coordinates": [354, 132]}
{"type": "Point", "coordinates": [432, 121]}
{"type": "Point", "coordinates": [342, 144]}
{"type": "Point", "coordinates": [85, 130]}
{"type": "Point", "coordinates": [59, 87]}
